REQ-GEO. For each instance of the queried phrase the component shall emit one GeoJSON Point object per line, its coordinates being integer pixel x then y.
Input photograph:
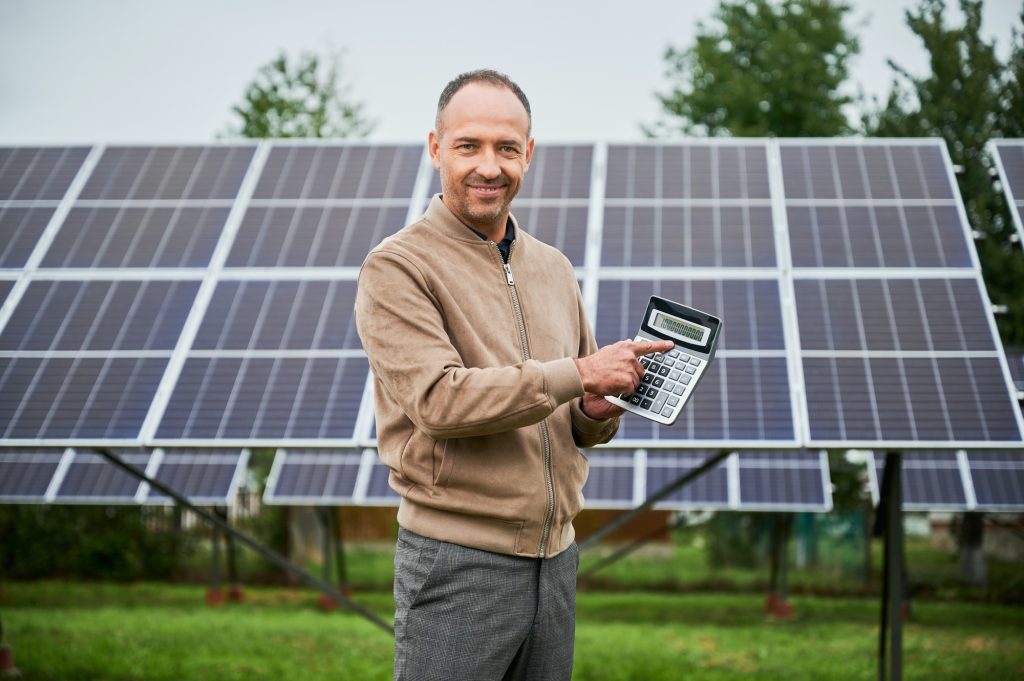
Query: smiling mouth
{"type": "Point", "coordinates": [488, 190]}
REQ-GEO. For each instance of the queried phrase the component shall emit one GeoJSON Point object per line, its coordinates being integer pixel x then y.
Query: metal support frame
{"type": "Point", "coordinates": [889, 525]}
{"type": "Point", "coordinates": [776, 602]}
{"type": "Point", "coordinates": [621, 553]}
{"type": "Point", "coordinates": [662, 493]}
{"type": "Point", "coordinates": [268, 553]}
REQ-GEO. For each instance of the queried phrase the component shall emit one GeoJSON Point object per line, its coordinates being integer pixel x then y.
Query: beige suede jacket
{"type": "Point", "coordinates": [477, 396]}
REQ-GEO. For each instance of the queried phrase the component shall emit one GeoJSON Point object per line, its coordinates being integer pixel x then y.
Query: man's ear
{"type": "Point", "coordinates": [434, 147]}
{"type": "Point", "coordinates": [529, 154]}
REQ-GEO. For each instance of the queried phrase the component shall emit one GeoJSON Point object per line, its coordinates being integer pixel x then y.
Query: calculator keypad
{"type": "Point", "coordinates": [665, 385]}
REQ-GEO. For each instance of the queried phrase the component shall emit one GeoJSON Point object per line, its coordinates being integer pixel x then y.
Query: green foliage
{"type": "Point", "coordinates": [304, 98]}
{"type": "Point", "coordinates": [91, 542]}
{"type": "Point", "coordinates": [968, 98]}
{"type": "Point", "coordinates": [765, 68]}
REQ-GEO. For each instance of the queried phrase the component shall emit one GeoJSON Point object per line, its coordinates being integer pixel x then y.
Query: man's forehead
{"type": "Point", "coordinates": [485, 103]}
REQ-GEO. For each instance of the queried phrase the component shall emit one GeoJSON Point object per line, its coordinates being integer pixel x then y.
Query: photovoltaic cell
{"type": "Point", "coordinates": [864, 171]}
{"type": "Point", "coordinates": [709, 490]}
{"type": "Point", "coordinates": [99, 315]}
{"type": "Point", "coordinates": [610, 482]}
{"type": "Point", "coordinates": [782, 479]}
{"type": "Point", "coordinates": [877, 236]}
{"type": "Point", "coordinates": [312, 236]}
{"type": "Point", "coordinates": [85, 398]}
{"type": "Point", "coordinates": [20, 229]}
{"type": "Point", "coordinates": [38, 173]}
{"type": "Point", "coordinates": [687, 171]}
{"type": "Point", "coordinates": [688, 236]}
{"type": "Point", "coordinates": [258, 398]}
{"type": "Point", "coordinates": [93, 479]}
{"type": "Point", "coordinates": [998, 478]}
{"type": "Point", "coordinates": [892, 314]}
{"type": "Point", "coordinates": [562, 226]}
{"type": "Point", "coordinates": [378, 491]}
{"type": "Point", "coordinates": [208, 476]}
{"type": "Point", "coordinates": [127, 236]}
{"type": "Point", "coordinates": [903, 399]}
{"type": "Point", "coordinates": [5, 288]}
{"type": "Point", "coordinates": [314, 477]}
{"type": "Point", "coordinates": [930, 480]}
{"type": "Point", "coordinates": [25, 475]}
{"type": "Point", "coordinates": [264, 314]}
{"type": "Point", "coordinates": [1014, 359]}
{"type": "Point", "coordinates": [360, 171]}
{"type": "Point", "coordinates": [169, 173]}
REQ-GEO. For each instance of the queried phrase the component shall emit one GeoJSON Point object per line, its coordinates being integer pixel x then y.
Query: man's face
{"type": "Point", "coordinates": [482, 148]}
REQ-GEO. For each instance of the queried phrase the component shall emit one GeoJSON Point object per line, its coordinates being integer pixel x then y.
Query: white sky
{"type": "Point", "coordinates": [76, 71]}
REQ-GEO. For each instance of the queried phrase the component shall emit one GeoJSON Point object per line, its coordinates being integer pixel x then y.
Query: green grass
{"type": "Point", "coordinates": [157, 632]}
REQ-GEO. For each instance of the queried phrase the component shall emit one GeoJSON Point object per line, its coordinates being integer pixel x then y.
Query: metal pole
{"type": "Point", "coordinates": [662, 493]}
{"type": "Point", "coordinates": [268, 553]}
{"type": "Point", "coordinates": [630, 548]}
{"type": "Point", "coordinates": [890, 525]}
{"type": "Point", "coordinates": [339, 552]}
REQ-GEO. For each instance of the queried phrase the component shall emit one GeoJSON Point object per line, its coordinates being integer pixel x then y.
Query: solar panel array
{"type": "Point", "coordinates": [749, 481]}
{"type": "Point", "coordinates": [202, 295]}
{"type": "Point", "coordinates": [54, 476]}
{"type": "Point", "coordinates": [1008, 155]}
{"type": "Point", "coordinates": [990, 480]}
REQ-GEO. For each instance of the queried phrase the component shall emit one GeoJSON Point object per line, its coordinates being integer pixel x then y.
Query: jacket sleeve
{"type": "Point", "coordinates": [586, 431]}
{"type": "Point", "coordinates": [403, 332]}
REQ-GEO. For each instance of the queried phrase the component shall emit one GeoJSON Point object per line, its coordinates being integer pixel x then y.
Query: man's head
{"type": "Point", "coordinates": [482, 146]}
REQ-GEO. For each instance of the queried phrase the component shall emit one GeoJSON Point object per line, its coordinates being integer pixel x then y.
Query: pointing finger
{"type": "Point", "coordinates": [647, 347]}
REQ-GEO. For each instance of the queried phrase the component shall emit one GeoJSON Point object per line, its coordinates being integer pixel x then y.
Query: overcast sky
{"type": "Point", "coordinates": [77, 71]}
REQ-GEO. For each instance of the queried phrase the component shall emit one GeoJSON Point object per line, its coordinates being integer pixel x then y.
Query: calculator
{"type": "Point", "coordinates": [671, 377]}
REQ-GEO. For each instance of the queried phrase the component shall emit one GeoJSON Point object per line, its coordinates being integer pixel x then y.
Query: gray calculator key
{"type": "Point", "coordinates": [691, 369]}
{"type": "Point", "coordinates": [673, 375]}
{"type": "Point", "coordinates": [659, 403]}
{"type": "Point", "coordinates": [683, 357]}
{"type": "Point", "coordinates": [658, 357]}
{"type": "Point", "coordinates": [669, 386]}
{"type": "Point", "coordinates": [679, 389]}
{"type": "Point", "coordinates": [685, 379]}
{"type": "Point", "coordinates": [694, 361]}
{"type": "Point", "coordinates": [674, 353]}
{"type": "Point", "coordinates": [673, 401]}
{"type": "Point", "coordinates": [667, 412]}
{"type": "Point", "coordinates": [668, 361]}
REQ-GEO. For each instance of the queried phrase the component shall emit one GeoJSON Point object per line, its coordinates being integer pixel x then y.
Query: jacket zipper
{"type": "Point", "coordinates": [545, 438]}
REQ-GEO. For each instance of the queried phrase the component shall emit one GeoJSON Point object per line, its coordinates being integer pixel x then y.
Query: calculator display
{"type": "Point", "coordinates": [678, 328]}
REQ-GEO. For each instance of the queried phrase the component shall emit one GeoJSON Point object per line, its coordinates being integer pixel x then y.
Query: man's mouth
{"type": "Point", "coordinates": [488, 190]}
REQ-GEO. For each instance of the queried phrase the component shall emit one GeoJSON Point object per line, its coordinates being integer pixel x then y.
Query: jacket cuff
{"type": "Point", "coordinates": [563, 380]}
{"type": "Point", "coordinates": [592, 431]}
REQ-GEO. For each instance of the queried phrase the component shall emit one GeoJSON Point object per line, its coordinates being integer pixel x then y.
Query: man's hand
{"type": "Point", "coordinates": [598, 408]}
{"type": "Point", "coordinates": [615, 369]}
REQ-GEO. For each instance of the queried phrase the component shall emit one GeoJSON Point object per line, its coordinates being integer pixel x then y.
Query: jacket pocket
{"type": "Point", "coordinates": [444, 462]}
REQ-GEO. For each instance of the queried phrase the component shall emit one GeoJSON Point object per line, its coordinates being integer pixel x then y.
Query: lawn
{"type": "Point", "coordinates": [72, 631]}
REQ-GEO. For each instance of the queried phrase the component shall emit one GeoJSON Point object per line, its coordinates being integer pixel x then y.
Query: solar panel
{"type": "Point", "coordinates": [312, 477]}
{"type": "Point", "coordinates": [990, 480]}
{"type": "Point", "coordinates": [1008, 155]}
{"type": "Point", "coordinates": [26, 475]}
{"type": "Point", "coordinates": [1016, 361]}
{"type": "Point", "coordinates": [91, 479]}
{"type": "Point", "coordinates": [208, 477]}
{"type": "Point", "coordinates": [38, 173]}
{"type": "Point", "coordinates": [202, 295]}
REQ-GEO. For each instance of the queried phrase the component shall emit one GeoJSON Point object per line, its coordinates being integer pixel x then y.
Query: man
{"type": "Point", "coordinates": [487, 381]}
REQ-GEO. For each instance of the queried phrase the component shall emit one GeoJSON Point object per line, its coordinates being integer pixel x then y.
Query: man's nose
{"type": "Point", "coordinates": [488, 167]}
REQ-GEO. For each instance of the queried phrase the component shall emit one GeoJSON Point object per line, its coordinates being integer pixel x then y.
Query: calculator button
{"type": "Point", "coordinates": [678, 390]}
{"type": "Point", "coordinates": [668, 361]}
{"type": "Point", "coordinates": [635, 399]}
{"type": "Point", "coordinates": [658, 382]}
{"type": "Point", "coordinates": [659, 403]}
{"type": "Point", "coordinates": [683, 357]}
{"type": "Point", "coordinates": [646, 404]}
{"type": "Point", "coordinates": [674, 353]}
{"type": "Point", "coordinates": [669, 385]}
{"type": "Point", "coordinates": [644, 362]}
{"type": "Point", "coordinates": [658, 357]}
{"type": "Point", "coordinates": [673, 401]}
{"type": "Point", "coordinates": [647, 378]}
{"type": "Point", "coordinates": [663, 371]}
{"type": "Point", "coordinates": [674, 375]}
{"type": "Point", "coordinates": [694, 361]}
{"type": "Point", "coordinates": [654, 368]}
{"type": "Point", "coordinates": [685, 379]}
{"type": "Point", "coordinates": [667, 412]}
{"type": "Point", "coordinates": [691, 369]}
{"type": "Point", "coordinates": [652, 392]}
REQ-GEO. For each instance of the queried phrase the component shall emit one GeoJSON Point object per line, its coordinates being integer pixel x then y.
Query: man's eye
{"type": "Point", "coordinates": [510, 150]}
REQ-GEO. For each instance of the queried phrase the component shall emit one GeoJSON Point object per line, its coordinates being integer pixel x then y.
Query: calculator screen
{"type": "Point", "coordinates": [679, 328]}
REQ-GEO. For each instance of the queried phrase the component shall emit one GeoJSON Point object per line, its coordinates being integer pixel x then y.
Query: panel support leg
{"type": "Point", "coordinates": [890, 526]}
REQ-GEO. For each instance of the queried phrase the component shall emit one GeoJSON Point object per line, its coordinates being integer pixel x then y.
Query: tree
{"type": "Point", "coordinates": [765, 68]}
{"type": "Point", "coordinates": [968, 98]}
{"type": "Point", "coordinates": [304, 99]}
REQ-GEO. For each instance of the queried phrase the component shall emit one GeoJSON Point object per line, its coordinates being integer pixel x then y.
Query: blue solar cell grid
{"type": "Point", "coordinates": [1008, 155]}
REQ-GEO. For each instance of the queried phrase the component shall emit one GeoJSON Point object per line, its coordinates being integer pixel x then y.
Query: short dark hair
{"type": "Point", "coordinates": [488, 76]}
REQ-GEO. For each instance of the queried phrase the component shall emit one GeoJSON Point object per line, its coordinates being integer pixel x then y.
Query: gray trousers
{"type": "Point", "coordinates": [472, 615]}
